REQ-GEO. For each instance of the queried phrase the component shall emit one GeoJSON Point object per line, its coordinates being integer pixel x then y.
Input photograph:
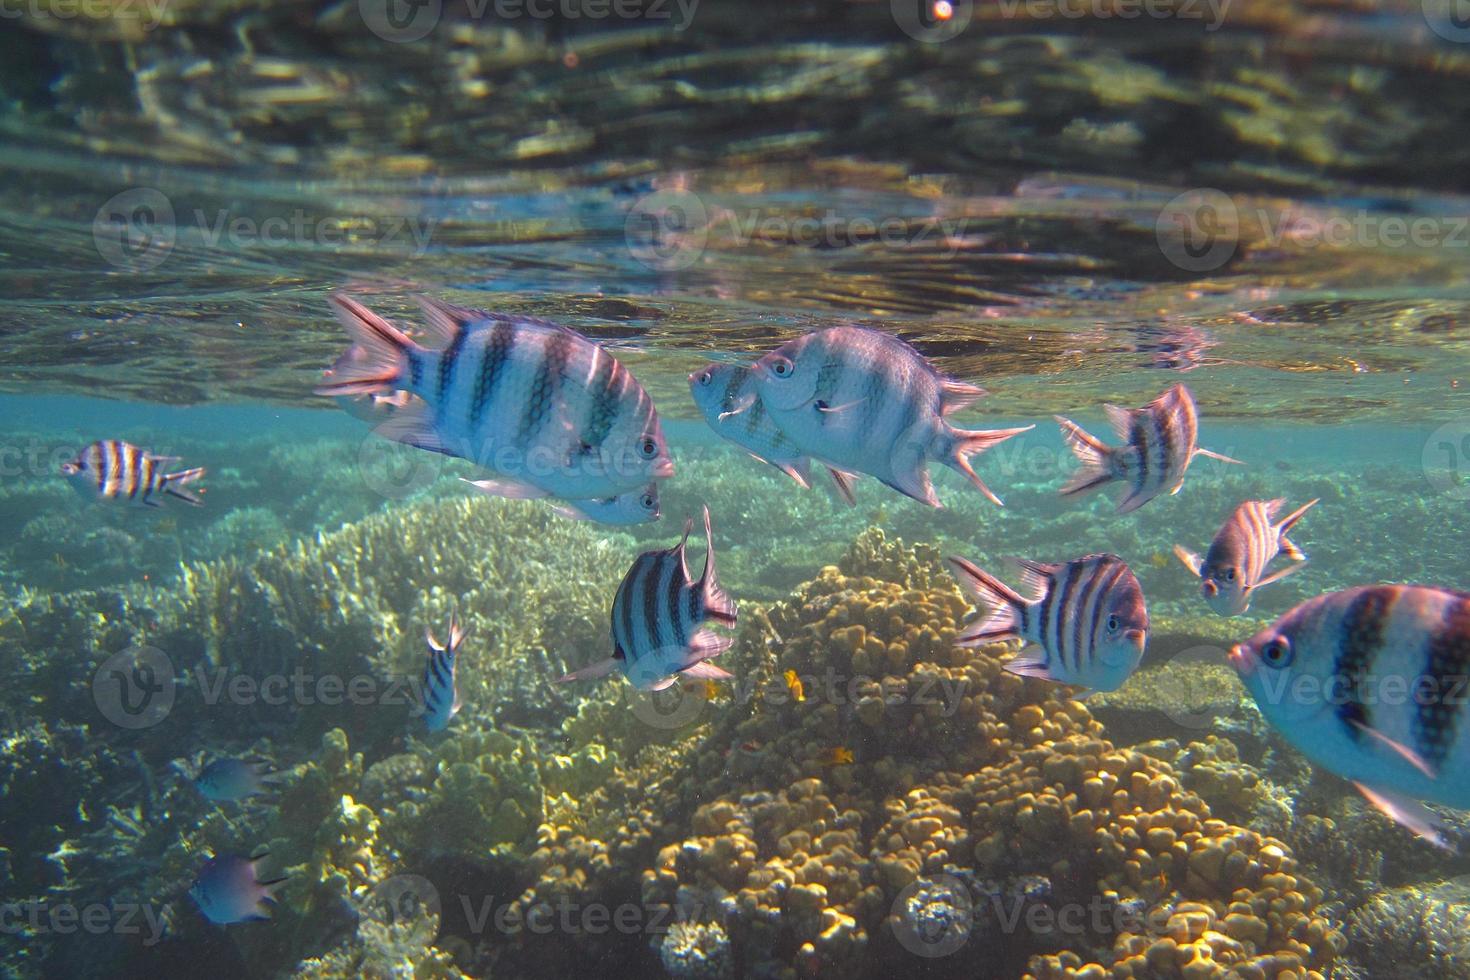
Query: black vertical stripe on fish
{"type": "Point", "coordinates": [541, 403]}
{"type": "Point", "coordinates": [1099, 579]}
{"type": "Point", "coordinates": [627, 595]}
{"type": "Point", "coordinates": [1447, 658]}
{"type": "Point", "coordinates": [415, 369]}
{"type": "Point", "coordinates": [447, 360]}
{"type": "Point", "coordinates": [1363, 627]}
{"type": "Point", "coordinates": [652, 599]}
{"type": "Point", "coordinates": [607, 392]}
{"type": "Point", "coordinates": [492, 361]}
{"type": "Point", "coordinates": [134, 470]}
{"type": "Point", "coordinates": [673, 602]}
{"type": "Point", "coordinates": [1062, 583]}
{"type": "Point", "coordinates": [1170, 440]}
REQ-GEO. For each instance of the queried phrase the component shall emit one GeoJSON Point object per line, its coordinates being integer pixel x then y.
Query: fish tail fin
{"type": "Point", "coordinates": [1006, 604]}
{"type": "Point", "coordinates": [717, 604]}
{"type": "Point", "coordinates": [973, 442]}
{"type": "Point", "coordinates": [1091, 452]}
{"type": "Point", "coordinates": [1287, 523]}
{"type": "Point", "coordinates": [1190, 559]}
{"type": "Point", "coordinates": [378, 357]}
{"type": "Point", "coordinates": [173, 485]}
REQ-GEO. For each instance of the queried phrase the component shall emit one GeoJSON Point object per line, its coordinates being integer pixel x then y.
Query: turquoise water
{"type": "Point", "coordinates": [1271, 210]}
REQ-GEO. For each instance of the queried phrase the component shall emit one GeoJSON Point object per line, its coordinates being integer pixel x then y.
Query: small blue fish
{"type": "Point", "coordinates": [1159, 444]}
{"type": "Point", "coordinates": [1235, 566]}
{"type": "Point", "coordinates": [1370, 684]}
{"type": "Point", "coordinates": [656, 618]}
{"type": "Point", "coordinates": [627, 508]}
{"type": "Point", "coordinates": [232, 780]}
{"type": "Point", "coordinates": [441, 695]}
{"type": "Point", "coordinates": [119, 471]}
{"type": "Point", "coordinates": [1087, 615]}
{"type": "Point", "coordinates": [227, 890]}
{"type": "Point", "coordinates": [866, 402]}
{"type": "Point", "coordinates": [727, 397]}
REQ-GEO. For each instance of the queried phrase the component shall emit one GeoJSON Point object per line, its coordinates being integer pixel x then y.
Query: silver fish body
{"type": "Point", "coordinates": [866, 402]}
{"type": "Point", "coordinates": [118, 471]}
{"type": "Point", "coordinates": [232, 780]}
{"type": "Point", "coordinates": [658, 615]}
{"type": "Point", "coordinates": [1235, 565]}
{"type": "Point", "coordinates": [1087, 616]}
{"type": "Point", "coordinates": [1159, 442]}
{"type": "Point", "coordinates": [546, 409]}
{"type": "Point", "coordinates": [728, 397]}
{"type": "Point", "coordinates": [1370, 683]}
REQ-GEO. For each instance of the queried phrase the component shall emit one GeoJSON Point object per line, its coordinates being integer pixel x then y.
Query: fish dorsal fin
{"type": "Point", "coordinates": [446, 320]}
{"type": "Point", "coordinates": [957, 395]}
{"type": "Point", "coordinates": [1121, 419]}
{"type": "Point", "coordinates": [681, 549]}
{"type": "Point", "coordinates": [1190, 559]}
{"type": "Point", "coordinates": [1036, 576]}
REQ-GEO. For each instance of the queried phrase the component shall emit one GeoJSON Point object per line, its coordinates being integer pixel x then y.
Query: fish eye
{"type": "Point", "coordinates": [647, 501]}
{"type": "Point", "coordinates": [649, 449]}
{"type": "Point", "coordinates": [781, 367]}
{"type": "Point", "coordinates": [1277, 653]}
{"type": "Point", "coordinates": [705, 378]}
{"type": "Point", "coordinates": [1230, 575]}
{"type": "Point", "coordinates": [1114, 623]}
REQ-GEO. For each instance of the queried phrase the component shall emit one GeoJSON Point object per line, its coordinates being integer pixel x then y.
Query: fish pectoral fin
{"type": "Point", "coordinates": [663, 683]}
{"type": "Point", "coordinates": [1409, 814]}
{"type": "Point", "coordinates": [844, 481]}
{"type": "Point", "coordinates": [704, 670]}
{"type": "Point", "coordinates": [740, 405]}
{"type": "Point", "coordinates": [957, 395]}
{"type": "Point", "coordinates": [413, 425]}
{"type": "Point", "coordinates": [1190, 559]}
{"type": "Point", "coordinates": [1398, 748]}
{"type": "Point", "coordinates": [571, 512]}
{"type": "Point", "coordinates": [1278, 575]}
{"type": "Point", "coordinates": [1030, 665]}
{"type": "Point", "coordinates": [600, 669]}
{"type": "Point", "coordinates": [505, 487]}
{"type": "Point", "coordinates": [822, 406]}
{"type": "Point", "coordinates": [1220, 456]}
{"type": "Point", "coordinates": [706, 644]}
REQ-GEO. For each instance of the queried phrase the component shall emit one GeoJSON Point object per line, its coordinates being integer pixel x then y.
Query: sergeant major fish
{"type": "Point", "coordinates": [1370, 684]}
{"type": "Point", "coordinates": [551, 412]}
{"type": "Point", "coordinates": [1235, 565]}
{"type": "Point", "coordinates": [227, 890]}
{"type": "Point", "coordinates": [1159, 444]}
{"type": "Point", "coordinates": [1087, 616]}
{"type": "Point", "coordinates": [441, 694]}
{"type": "Point", "coordinates": [115, 470]}
{"type": "Point", "coordinates": [657, 614]}
{"type": "Point", "coordinates": [867, 402]}
{"type": "Point", "coordinates": [727, 398]}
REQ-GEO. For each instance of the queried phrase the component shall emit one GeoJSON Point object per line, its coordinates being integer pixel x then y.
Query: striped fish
{"type": "Point", "coordinates": [441, 696]}
{"type": "Point", "coordinates": [1235, 565]}
{"type": "Point", "coordinates": [1087, 616]}
{"type": "Point", "coordinates": [1159, 444]}
{"type": "Point", "coordinates": [546, 409]}
{"type": "Point", "coordinates": [866, 402]}
{"type": "Point", "coordinates": [1370, 683]}
{"type": "Point", "coordinates": [115, 470]}
{"type": "Point", "coordinates": [727, 398]}
{"type": "Point", "coordinates": [657, 615]}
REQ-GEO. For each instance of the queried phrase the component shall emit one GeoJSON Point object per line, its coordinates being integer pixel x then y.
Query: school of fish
{"type": "Point", "coordinates": [550, 414]}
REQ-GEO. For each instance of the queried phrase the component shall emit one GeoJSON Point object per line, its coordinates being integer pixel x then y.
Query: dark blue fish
{"type": "Point", "coordinates": [232, 780]}
{"type": "Point", "coordinates": [227, 890]}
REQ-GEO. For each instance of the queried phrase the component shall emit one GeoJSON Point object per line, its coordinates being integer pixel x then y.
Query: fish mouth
{"type": "Point", "coordinates": [663, 469]}
{"type": "Point", "coordinates": [1209, 589]}
{"type": "Point", "coordinates": [1239, 657]}
{"type": "Point", "coordinates": [1138, 638]}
